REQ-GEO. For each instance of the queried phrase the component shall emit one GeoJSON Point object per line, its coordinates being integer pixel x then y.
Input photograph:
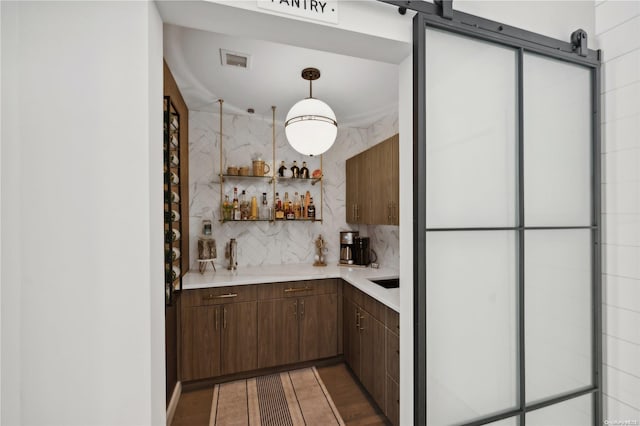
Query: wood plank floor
{"type": "Point", "coordinates": [352, 403]}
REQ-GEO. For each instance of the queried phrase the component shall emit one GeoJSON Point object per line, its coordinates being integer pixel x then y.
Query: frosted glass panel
{"type": "Point", "coordinates": [557, 312]}
{"type": "Point", "coordinates": [574, 412]}
{"type": "Point", "coordinates": [471, 110]}
{"type": "Point", "coordinates": [511, 421]}
{"type": "Point", "coordinates": [557, 143]}
{"type": "Point", "coordinates": [471, 325]}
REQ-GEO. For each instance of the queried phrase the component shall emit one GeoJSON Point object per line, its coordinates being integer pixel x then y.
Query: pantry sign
{"type": "Point", "coordinates": [318, 10]}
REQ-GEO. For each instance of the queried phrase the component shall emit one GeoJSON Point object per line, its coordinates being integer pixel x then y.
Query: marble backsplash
{"type": "Point", "coordinates": [264, 243]}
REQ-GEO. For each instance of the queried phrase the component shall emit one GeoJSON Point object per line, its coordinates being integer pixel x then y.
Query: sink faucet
{"type": "Point", "coordinates": [232, 254]}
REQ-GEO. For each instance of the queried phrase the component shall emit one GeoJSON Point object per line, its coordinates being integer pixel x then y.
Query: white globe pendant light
{"type": "Point", "coordinates": [311, 126]}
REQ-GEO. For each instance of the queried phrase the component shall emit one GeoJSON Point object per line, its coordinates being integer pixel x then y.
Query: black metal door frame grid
{"type": "Point", "coordinates": [441, 16]}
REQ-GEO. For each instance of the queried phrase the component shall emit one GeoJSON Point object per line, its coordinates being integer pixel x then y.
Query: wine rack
{"type": "Point", "coordinates": [173, 214]}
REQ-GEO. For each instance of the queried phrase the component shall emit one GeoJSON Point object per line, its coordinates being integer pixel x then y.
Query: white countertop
{"type": "Point", "coordinates": [357, 277]}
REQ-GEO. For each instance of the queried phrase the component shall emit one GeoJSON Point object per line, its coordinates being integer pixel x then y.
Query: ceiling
{"type": "Point", "coordinates": [359, 90]}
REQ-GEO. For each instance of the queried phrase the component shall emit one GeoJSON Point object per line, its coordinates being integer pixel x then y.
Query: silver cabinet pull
{"type": "Point", "coordinates": [293, 290]}
{"type": "Point", "coordinates": [301, 308]}
{"type": "Point", "coordinates": [295, 309]}
{"type": "Point", "coordinates": [220, 296]}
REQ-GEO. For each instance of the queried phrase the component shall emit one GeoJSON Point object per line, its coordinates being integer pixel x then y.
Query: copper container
{"type": "Point", "coordinates": [260, 168]}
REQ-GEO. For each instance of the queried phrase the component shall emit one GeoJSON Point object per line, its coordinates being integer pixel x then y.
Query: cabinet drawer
{"type": "Point", "coordinates": [349, 292]}
{"type": "Point", "coordinates": [296, 289]}
{"type": "Point", "coordinates": [219, 295]}
{"type": "Point", "coordinates": [393, 321]}
{"type": "Point", "coordinates": [375, 308]}
{"type": "Point", "coordinates": [393, 356]}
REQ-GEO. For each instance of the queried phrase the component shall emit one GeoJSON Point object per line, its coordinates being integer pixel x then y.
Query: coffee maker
{"type": "Point", "coordinates": [347, 239]}
{"type": "Point", "coordinates": [361, 255]}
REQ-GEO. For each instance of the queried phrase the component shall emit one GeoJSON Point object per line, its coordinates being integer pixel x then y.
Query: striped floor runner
{"type": "Point", "coordinates": [292, 398]}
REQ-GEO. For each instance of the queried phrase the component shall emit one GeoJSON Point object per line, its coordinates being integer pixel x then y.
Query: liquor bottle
{"type": "Point", "coordinates": [264, 208]}
{"type": "Point", "coordinates": [227, 209]}
{"type": "Point", "coordinates": [304, 172]}
{"type": "Point", "coordinates": [282, 169]}
{"type": "Point", "coordinates": [236, 206]}
{"type": "Point", "coordinates": [285, 204]}
{"type": "Point", "coordinates": [311, 210]}
{"type": "Point", "coordinates": [297, 206]}
{"type": "Point", "coordinates": [279, 210]}
{"type": "Point", "coordinates": [254, 208]}
{"type": "Point", "coordinates": [295, 170]}
{"type": "Point", "coordinates": [244, 206]}
{"type": "Point", "coordinates": [307, 200]}
{"type": "Point", "coordinates": [289, 214]}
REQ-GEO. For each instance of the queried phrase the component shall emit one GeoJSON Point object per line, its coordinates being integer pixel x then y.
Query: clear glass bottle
{"type": "Point", "coordinates": [264, 208]}
{"type": "Point", "coordinates": [244, 206]}
{"type": "Point", "coordinates": [235, 206]}
{"type": "Point", "coordinates": [226, 208]}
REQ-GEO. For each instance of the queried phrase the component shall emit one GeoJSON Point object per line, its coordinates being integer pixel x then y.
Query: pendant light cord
{"type": "Point", "coordinates": [310, 89]}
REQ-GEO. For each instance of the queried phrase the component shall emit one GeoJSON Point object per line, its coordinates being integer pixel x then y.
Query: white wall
{"type": "Point", "coordinates": [618, 34]}
{"type": "Point", "coordinates": [82, 304]}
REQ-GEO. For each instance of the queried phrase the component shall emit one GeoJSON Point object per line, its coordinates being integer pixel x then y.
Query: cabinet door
{"type": "Point", "coordinates": [351, 335]}
{"type": "Point", "coordinates": [395, 179]}
{"type": "Point", "coordinates": [372, 356]}
{"type": "Point", "coordinates": [318, 326]}
{"type": "Point", "coordinates": [351, 192]}
{"type": "Point", "coordinates": [277, 332]}
{"type": "Point", "coordinates": [239, 337]}
{"type": "Point", "coordinates": [365, 188]}
{"type": "Point", "coordinates": [200, 342]}
{"type": "Point", "coordinates": [380, 160]}
{"type": "Point", "coordinates": [392, 404]}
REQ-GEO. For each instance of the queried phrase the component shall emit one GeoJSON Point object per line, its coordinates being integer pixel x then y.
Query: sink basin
{"type": "Point", "coordinates": [388, 283]}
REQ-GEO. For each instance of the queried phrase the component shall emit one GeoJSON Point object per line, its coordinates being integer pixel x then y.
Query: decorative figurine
{"type": "Point", "coordinates": [320, 252]}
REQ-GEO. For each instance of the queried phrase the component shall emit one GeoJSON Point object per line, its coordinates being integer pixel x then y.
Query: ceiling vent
{"type": "Point", "coordinates": [235, 59]}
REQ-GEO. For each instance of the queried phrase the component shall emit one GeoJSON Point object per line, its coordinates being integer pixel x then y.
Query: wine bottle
{"type": "Point", "coordinates": [304, 172]}
{"type": "Point", "coordinates": [282, 169]}
{"type": "Point", "coordinates": [295, 170]}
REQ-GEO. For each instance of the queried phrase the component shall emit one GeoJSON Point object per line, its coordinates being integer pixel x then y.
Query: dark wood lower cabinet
{"type": "Point", "coordinates": [372, 357]}
{"type": "Point", "coordinates": [200, 343]}
{"type": "Point", "coordinates": [277, 332]}
{"type": "Point", "coordinates": [230, 330]}
{"type": "Point", "coordinates": [392, 404]}
{"type": "Point", "coordinates": [318, 326]}
{"type": "Point", "coordinates": [351, 335]}
{"type": "Point", "coordinates": [371, 348]}
{"type": "Point", "coordinates": [239, 337]}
